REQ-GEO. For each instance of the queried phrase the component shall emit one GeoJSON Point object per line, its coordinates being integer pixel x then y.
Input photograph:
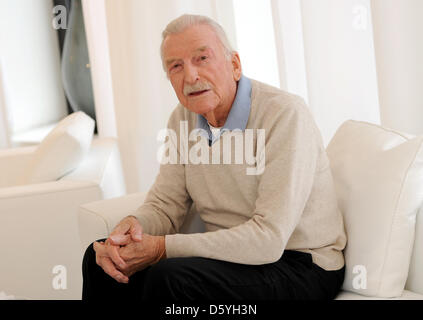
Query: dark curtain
{"type": "Point", "coordinates": [75, 64]}
{"type": "Point", "coordinates": [61, 35]}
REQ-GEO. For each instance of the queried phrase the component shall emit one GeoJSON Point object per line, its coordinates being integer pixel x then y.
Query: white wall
{"type": "Point", "coordinates": [340, 64]}
{"type": "Point", "coordinates": [30, 64]}
{"type": "Point", "coordinates": [398, 33]}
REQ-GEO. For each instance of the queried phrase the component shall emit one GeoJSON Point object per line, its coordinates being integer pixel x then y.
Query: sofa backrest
{"type": "Point", "coordinates": [103, 166]}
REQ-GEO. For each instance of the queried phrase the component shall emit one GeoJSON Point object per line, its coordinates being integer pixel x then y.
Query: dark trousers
{"type": "Point", "coordinates": [293, 277]}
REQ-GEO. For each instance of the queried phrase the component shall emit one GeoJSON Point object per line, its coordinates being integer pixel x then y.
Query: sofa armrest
{"type": "Point", "coordinates": [97, 219]}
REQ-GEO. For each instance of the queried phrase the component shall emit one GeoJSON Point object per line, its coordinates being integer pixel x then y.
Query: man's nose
{"type": "Point", "coordinates": [191, 74]}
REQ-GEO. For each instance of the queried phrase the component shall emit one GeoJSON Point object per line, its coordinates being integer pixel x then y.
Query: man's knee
{"type": "Point", "coordinates": [89, 259]}
{"type": "Point", "coordinates": [165, 280]}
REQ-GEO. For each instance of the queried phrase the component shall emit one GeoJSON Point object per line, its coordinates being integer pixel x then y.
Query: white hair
{"type": "Point", "coordinates": [187, 20]}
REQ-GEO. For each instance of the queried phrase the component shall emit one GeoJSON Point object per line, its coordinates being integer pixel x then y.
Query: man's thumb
{"type": "Point", "coordinates": [120, 239]}
{"type": "Point", "coordinates": [136, 233]}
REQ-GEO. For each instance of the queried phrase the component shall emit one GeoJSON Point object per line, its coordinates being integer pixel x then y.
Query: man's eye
{"type": "Point", "coordinates": [175, 67]}
{"type": "Point", "coordinates": [203, 57]}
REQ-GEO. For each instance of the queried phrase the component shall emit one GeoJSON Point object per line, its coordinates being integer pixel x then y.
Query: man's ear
{"type": "Point", "coordinates": [236, 66]}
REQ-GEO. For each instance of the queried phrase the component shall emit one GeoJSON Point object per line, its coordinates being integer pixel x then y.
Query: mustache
{"type": "Point", "coordinates": [199, 86]}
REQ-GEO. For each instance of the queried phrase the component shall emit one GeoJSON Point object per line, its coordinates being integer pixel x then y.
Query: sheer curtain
{"type": "Point", "coordinates": [398, 27]}
{"type": "Point", "coordinates": [350, 59]}
{"type": "Point", "coordinates": [124, 39]}
{"type": "Point", "coordinates": [323, 54]}
{"type": "Point", "coordinates": [4, 123]}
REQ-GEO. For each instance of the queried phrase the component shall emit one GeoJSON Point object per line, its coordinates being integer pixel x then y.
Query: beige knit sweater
{"type": "Point", "coordinates": [252, 219]}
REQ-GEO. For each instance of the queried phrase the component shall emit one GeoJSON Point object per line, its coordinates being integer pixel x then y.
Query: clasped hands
{"type": "Point", "coordinates": [128, 250]}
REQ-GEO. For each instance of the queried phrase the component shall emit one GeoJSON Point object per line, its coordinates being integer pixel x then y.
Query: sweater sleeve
{"type": "Point", "coordinates": [291, 153]}
{"type": "Point", "coordinates": [168, 201]}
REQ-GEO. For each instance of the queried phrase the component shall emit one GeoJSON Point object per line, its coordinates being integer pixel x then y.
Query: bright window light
{"type": "Point", "coordinates": [256, 40]}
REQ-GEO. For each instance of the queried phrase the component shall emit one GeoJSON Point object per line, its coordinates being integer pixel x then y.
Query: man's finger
{"type": "Point", "coordinates": [114, 256]}
{"type": "Point", "coordinates": [136, 231]}
{"type": "Point", "coordinates": [120, 239]}
{"type": "Point", "coordinates": [128, 225]}
{"type": "Point", "coordinates": [100, 249]}
{"type": "Point", "coordinates": [121, 229]}
{"type": "Point", "coordinates": [111, 270]}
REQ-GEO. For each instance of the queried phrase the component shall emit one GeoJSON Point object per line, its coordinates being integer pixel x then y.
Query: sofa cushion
{"type": "Point", "coordinates": [61, 150]}
{"type": "Point", "coordinates": [406, 295]}
{"type": "Point", "coordinates": [378, 176]}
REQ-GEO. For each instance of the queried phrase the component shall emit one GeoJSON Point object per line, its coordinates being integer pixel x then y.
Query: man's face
{"type": "Point", "coordinates": [202, 77]}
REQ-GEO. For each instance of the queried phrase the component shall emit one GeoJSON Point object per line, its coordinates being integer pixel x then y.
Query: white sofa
{"type": "Point", "coordinates": [38, 222]}
{"type": "Point", "coordinates": [97, 220]}
{"type": "Point", "coordinates": [378, 176]}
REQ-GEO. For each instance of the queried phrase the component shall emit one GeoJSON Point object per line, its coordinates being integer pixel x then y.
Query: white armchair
{"type": "Point", "coordinates": [38, 222]}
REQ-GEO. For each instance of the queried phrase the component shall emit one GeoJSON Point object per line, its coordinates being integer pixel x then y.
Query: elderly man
{"type": "Point", "coordinates": [275, 234]}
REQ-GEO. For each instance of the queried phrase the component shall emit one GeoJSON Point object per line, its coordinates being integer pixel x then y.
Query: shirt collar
{"type": "Point", "coordinates": [239, 113]}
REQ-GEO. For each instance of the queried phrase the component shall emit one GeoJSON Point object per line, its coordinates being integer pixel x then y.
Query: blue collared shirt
{"type": "Point", "coordinates": [238, 115]}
